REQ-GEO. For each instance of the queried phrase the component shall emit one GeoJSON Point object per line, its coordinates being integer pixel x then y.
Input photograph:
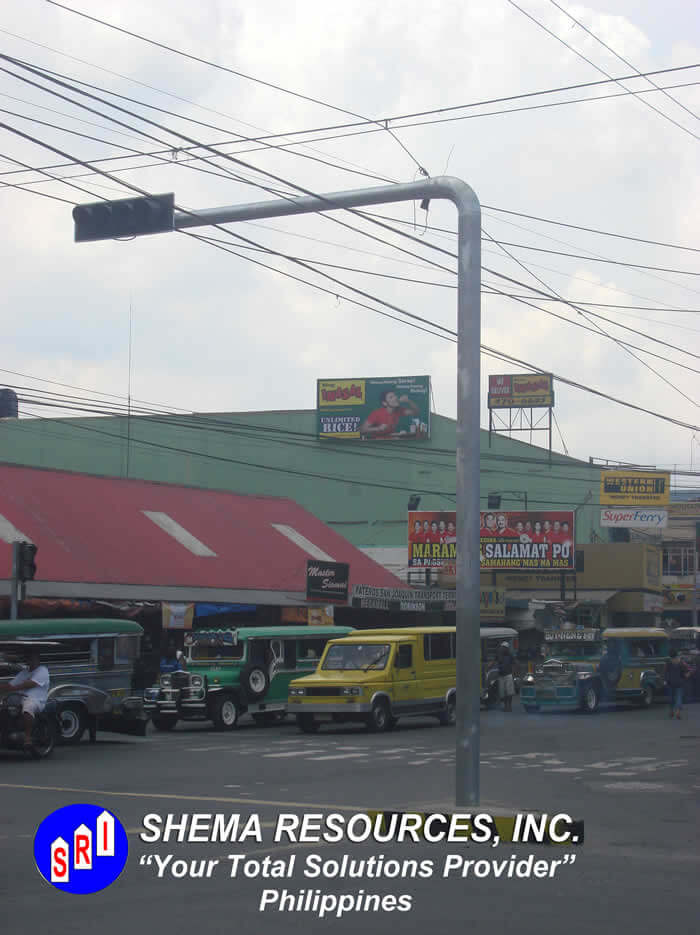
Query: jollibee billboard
{"type": "Point", "coordinates": [527, 540]}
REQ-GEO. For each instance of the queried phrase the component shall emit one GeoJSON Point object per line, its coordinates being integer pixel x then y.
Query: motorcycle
{"type": "Point", "coordinates": [44, 730]}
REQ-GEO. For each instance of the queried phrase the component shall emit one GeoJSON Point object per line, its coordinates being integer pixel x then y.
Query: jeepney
{"type": "Point", "coordinates": [633, 664]}
{"type": "Point", "coordinates": [377, 676]}
{"type": "Point", "coordinates": [567, 678]}
{"type": "Point", "coordinates": [91, 668]}
{"type": "Point", "coordinates": [228, 673]}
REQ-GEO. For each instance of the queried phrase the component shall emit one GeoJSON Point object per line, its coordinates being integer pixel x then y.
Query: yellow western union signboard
{"type": "Point", "coordinates": [635, 488]}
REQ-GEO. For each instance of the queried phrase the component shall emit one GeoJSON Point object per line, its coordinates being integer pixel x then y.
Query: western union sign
{"type": "Point", "coordinates": [635, 488]}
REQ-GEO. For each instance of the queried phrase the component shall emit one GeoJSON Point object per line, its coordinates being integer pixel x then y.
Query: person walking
{"type": "Point", "coordinates": [676, 672]}
{"type": "Point", "coordinates": [506, 685]}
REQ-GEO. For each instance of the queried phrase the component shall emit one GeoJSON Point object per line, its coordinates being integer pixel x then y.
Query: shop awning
{"type": "Point", "coordinates": [116, 539]}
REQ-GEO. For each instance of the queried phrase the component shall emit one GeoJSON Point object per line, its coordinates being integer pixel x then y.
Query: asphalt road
{"type": "Point", "coordinates": [632, 775]}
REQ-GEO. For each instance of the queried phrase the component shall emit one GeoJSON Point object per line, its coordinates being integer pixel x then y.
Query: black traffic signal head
{"type": "Point", "coordinates": [26, 563]}
{"type": "Point", "coordinates": [128, 217]}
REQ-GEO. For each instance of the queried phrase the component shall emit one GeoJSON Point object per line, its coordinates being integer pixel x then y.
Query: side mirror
{"type": "Point", "coordinates": [179, 655]}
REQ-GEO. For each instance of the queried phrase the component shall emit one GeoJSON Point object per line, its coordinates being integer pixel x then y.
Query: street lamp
{"type": "Point", "coordinates": [494, 499]}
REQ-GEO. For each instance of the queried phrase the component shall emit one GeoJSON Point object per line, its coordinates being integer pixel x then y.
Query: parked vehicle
{"type": "Point", "coordinates": [233, 672]}
{"type": "Point", "coordinates": [567, 677]}
{"type": "Point", "coordinates": [633, 667]}
{"type": "Point", "coordinates": [491, 639]}
{"type": "Point", "coordinates": [45, 727]}
{"type": "Point", "coordinates": [376, 677]}
{"type": "Point", "coordinates": [630, 668]}
{"type": "Point", "coordinates": [91, 666]}
{"type": "Point", "coordinates": [686, 641]}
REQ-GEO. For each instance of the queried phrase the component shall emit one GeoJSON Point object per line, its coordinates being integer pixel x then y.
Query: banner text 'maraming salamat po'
{"type": "Point", "coordinates": [527, 540]}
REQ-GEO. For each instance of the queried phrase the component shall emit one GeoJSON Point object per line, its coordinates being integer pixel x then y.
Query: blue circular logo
{"type": "Point", "coordinates": [80, 848]}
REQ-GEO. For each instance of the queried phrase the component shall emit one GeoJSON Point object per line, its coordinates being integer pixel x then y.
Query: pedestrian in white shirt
{"type": "Point", "coordinates": [33, 684]}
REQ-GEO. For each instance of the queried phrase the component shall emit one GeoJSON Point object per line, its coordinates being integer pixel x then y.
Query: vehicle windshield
{"type": "Point", "coordinates": [362, 656]}
{"type": "Point", "coordinates": [212, 649]}
{"type": "Point", "coordinates": [573, 650]}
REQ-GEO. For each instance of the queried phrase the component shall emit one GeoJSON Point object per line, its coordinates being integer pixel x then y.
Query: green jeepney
{"type": "Point", "coordinates": [91, 669]}
{"type": "Point", "coordinates": [228, 673]}
{"type": "Point", "coordinates": [568, 677]}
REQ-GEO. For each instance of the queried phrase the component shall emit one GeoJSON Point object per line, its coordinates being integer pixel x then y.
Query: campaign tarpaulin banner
{"type": "Point", "coordinates": [374, 408]}
{"type": "Point", "coordinates": [527, 540]}
{"type": "Point", "coordinates": [432, 538]}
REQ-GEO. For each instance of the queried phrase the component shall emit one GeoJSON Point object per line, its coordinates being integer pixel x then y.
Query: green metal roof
{"type": "Point", "coordinates": [360, 489]}
{"type": "Point", "coordinates": [67, 627]}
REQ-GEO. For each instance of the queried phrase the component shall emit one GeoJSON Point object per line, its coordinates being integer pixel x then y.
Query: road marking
{"type": "Point", "coordinates": [604, 765]}
{"type": "Point", "coordinates": [567, 769]}
{"type": "Point", "coordinates": [188, 798]}
{"type": "Point", "coordinates": [338, 756]}
{"type": "Point", "coordinates": [620, 773]}
{"type": "Point", "coordinates": [304, 752]}
{"type": "Point", "coordinates": [419, 762]}
{"type": "Point", "coordinates": [551, 763]}
{"type": "Point", "coordinates": [637, 787]}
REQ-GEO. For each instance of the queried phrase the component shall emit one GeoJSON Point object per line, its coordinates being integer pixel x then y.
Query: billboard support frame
{"type": "Point", "coordinates": [468, 409]}
{"type": "Point", "coordinates": [515, 424]}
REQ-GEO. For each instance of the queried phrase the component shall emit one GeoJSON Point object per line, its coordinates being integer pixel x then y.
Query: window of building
{"type": "Point", "coordinates": [678, 560]}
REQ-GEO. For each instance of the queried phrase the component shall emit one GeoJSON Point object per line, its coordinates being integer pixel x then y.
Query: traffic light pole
{"type": "Point", "coordinates": [468, 406]}
{"type": "Point", "coordinates": [15, 580]}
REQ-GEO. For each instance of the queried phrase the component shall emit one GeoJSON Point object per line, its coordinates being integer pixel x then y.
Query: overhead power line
{"type": "Point", "coordinates": [623, 60]}
{"type": "Point", "coordinates": [597, 68]}
{"type": "Point", "coordinates": [237, 161]}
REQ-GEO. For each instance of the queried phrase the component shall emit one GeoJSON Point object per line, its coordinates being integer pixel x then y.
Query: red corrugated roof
{"type": "Point", "coordinates": [93, 530]}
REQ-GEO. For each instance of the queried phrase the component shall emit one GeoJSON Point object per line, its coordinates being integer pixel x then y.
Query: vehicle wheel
{"type": "Point", "coordinates": [448, 718]}
{"type": "Point", "coordinates": [590, 700]}
{"type": "Point", "coordinates": [379, 717]}
{"type": "Point", "coordinates": [225, 713]}
{"type": "Point", "coordinates": [43, 741]}
{"type": "Point", "coordinates": [165, 721]}
{"type": "Point", "coordinates": [647, 699]}
{"type": "Point", "coordinates": [73, 721]}
{"type": "Point", "coordinates": [531, 708]}
{"type": "Point", "coordinates": [255, 681]}
{"type": "Point", "coordinates": [307, 723]}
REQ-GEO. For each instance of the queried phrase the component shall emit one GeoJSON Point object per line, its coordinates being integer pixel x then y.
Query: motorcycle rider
{"type": "Point", "coordinates": [33, 684]}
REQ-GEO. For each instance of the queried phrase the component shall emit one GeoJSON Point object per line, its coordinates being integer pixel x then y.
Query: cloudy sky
{"type": "Point", "coordinates": [212, 331]}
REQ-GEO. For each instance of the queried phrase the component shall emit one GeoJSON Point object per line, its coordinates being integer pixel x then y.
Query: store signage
{"type": "Point", "coordinates": [327, 581]}
{"type": "Point", "coordinates": [631, 518]}
{"type": "Point", "coordinates": [571, 636]}
{"type": "Point", "coordinates": [635, 488]}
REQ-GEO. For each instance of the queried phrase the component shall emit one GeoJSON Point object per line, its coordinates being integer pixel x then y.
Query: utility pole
{"type": "Point", "coordinates": [156, 213]}
{"type": "Point", "coordinates": [15, 580]}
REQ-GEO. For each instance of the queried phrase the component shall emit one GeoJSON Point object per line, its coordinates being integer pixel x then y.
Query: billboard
{"type": "Point", "coordinates": [374, 408]}
{"type": "Point", "coordinates": [635, 488]}
{"type": "Point", "coordinates": [684, 509]}
{"type": "Point", "coordinates": [631, 518]}
{"type": "Point", "coordinates": [432, 538]}
{"type": "Point", "coordinates": [520, 390]}
{"type": "Point", "coordinates": [527, 540]}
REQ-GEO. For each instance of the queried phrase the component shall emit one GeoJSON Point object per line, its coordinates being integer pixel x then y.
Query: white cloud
{"type": "Point", "coordinates": [212, 331]}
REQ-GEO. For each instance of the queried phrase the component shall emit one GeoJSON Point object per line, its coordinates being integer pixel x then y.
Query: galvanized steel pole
{"type": "Point", "coordinates": [468, 408]}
